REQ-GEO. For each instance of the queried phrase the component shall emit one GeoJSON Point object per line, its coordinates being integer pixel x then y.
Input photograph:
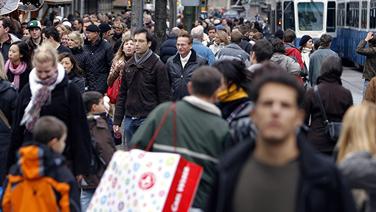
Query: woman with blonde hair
{"type": "Point", "coordinates": [76, 44]}
{"type": "Point", "coordinates": [357, 151]}
{"type": "Point", "coordinates": [220, 41]}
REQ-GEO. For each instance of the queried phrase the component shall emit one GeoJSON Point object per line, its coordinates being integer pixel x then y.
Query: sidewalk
{"type": "Point", "coordinates": [352, 80]}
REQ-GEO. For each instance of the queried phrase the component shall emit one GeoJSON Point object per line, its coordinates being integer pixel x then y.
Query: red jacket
{"type": "Point", "coordinates": [293, 52]}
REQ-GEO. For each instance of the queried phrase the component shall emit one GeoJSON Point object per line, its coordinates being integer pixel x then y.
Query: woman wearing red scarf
{"type": "Point", "coordinates": [18, 66]}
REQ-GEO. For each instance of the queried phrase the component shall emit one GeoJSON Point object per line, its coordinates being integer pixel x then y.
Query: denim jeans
{"type": "Point", "coordinates": [131, 124]}
{"type": "Point", "coordinates": [86, 196]}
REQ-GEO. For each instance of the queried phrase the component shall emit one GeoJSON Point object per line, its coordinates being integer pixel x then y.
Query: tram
{"type": "Point", "coordinates": [355, 19]}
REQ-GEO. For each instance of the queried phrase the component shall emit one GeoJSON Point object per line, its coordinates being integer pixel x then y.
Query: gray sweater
{"type": "Point", "coordinates": [360, 171]}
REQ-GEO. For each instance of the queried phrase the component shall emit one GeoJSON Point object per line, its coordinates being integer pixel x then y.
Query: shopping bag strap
{"type": "Point", "coordinates": [172, 108]}
{"type": "Point", "coordinates": [322, 109]}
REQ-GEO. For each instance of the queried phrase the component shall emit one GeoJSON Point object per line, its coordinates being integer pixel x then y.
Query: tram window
{"type": "Point", "coordinates": [331, 17]}
{"type": "Point", "coordinates": [363, 20]}
{"type": "Point", "coordinates": [352, 12]}
{"type": "Point", "coordinates": [341, 14]}
{"type": "Point", "coordinates": [288, 15]}
{"type": "Point", "coordinates": [310, 16]}
{"type": "Point", "coordinates": [372, 15]}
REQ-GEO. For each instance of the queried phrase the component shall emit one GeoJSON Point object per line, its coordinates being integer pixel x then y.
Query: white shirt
{"type": "Point", "coordinates": [184, 60]}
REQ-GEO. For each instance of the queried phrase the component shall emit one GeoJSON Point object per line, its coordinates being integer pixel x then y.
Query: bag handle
{"type": "Point", "coordinates": [316, 91]}
{"type": "Point", "coordinates": [4, 119]}
{"type": "Point", "coordinates": [161, 123]}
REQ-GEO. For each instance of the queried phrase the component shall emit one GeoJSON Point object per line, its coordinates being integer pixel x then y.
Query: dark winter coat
{"type": "Point", "coordinates": [77, 80]}
{"type": "Point", "coordinates": [320, 187]}
{"type": "Point", "coordinates": [100, 58]}
{"type": "Point", "coordinates": [66, 104]}
{"type": "Point", "coordinates": [24, 77]}
{"type": "Point", "coordinates": [8, 96]}
{"type": "Point", "coordinates": [168, 49]}
{"type": "Point", "coordinates": [246, 46]}
{"type": "Point", "coordinates": [179, 76]}
{"type": "Point", "coordinates": [336, 100]}
{"type": "Point", "coordinates": [143, 87]}
{"type": "Point", "coordinates": [63, 49]}
{"type": "Point", "coordinates": [82, 59]}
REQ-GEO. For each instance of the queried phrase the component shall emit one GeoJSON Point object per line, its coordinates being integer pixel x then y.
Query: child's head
{"type": "Point", "coordinates": [93, 102]}
{"type": "Point", "coordinates": [50, 131]}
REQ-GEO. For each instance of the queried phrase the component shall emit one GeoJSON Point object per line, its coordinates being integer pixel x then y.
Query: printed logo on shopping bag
{"type": "Point", "coordinates": [146, 181]}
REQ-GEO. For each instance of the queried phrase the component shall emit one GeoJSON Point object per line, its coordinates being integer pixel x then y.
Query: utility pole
{"type": "Point", "coordinates": [160, 22]}
{"type": "Point", "coordinates": [137, 14]}
{"type": "Point", "coordinates": [173, 11]}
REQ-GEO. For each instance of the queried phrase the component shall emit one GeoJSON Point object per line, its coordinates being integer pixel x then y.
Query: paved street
{"type": "Point", "coordinates": [353, 81]}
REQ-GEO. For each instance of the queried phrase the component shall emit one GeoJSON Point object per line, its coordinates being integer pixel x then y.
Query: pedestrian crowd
{"type": "Point", "coordinates": [266, 116]}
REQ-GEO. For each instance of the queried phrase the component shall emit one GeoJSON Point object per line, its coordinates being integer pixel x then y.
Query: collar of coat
{"type": "Point", "coordinates": [148, 64]}
{"type": "Point", "coordinates": [203, 105]}
{"type": "Point", "coordinates": [192, 58]}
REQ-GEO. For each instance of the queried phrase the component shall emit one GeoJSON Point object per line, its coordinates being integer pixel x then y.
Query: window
{"type": "Point", "coordinates": [279, 15]}
{"type": "Point", "coordinates": [372, 15]}
{"type": "Point", "coordinates": [352, 18]}
{"type": "Point", "coordinates": [341, 14]}
{"type": "Point", "coordinates": [310, 16]}
{"type": "Point", "coordinates": [331, 17]}
{"type": "Point", "coordinates": [363, 20]}
{"type": "Point", "coordinates": [288, 14]}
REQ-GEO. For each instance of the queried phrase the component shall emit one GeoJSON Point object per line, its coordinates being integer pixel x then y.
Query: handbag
{"type": "Point", "coordinates": [148, 181]}
{"type": "Point", "coordinates": [333, 129]}
{"type": "Point", "coordinates": [113, 91]}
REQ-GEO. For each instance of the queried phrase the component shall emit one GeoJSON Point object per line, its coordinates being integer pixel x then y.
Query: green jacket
{"type": "Point", "coordinates": [202, 137]}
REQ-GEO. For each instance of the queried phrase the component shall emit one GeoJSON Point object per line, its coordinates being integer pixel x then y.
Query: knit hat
{"type": "Point", "coordinates": [92, 28]}
{"type": "Point", "coordinates": [304, 40]}
{"type": "Point", "coordinates": [34, 24]}
{"type": "Point", "coordinates": [104, 27]}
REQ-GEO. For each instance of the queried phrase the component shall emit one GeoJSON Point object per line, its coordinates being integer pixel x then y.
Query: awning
{"type": "Point", "coordinates": [58, 2]}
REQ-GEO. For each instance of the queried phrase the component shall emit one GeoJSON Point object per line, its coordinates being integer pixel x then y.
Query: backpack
{"type": "Point", "coordinates": [31, 190]}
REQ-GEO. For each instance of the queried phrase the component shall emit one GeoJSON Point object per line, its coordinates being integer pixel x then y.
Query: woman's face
{"type": "Point", "coordinates": [217, 39]}
{"type": "Point", "coordinates": [64, 40]}
{"type": "Point", "coordinates": [67, 64]}
{"type": "Point", "coordinates": [128, 48]}
{"type": "Point", "coordinates": [309, 44]}
{"type": "Point", "coordinates": [72, 43]}
{"type": "Point", "coordinates": [26, 33]}
{"type": "Point", "coordinates": [14, 54]}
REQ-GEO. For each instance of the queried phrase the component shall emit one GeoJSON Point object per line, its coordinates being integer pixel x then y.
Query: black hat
{"type": "Point", "coordinates": [304, 40]}
{"type": "Point", "coordinates": [104, 27]}
{"type": "Point", "coordinates": [92, 28]}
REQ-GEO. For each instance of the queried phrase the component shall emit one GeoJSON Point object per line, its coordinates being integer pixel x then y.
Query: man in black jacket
{"type": "Point", "coordinates": [278, 171]}
{"type": "Point", "coordinates": [100, 54]}
{"type": "Point", "coordinates": [182, 65]}
{"type": "Point", "coordinates": [144, 85]}
{"type": "Point", "coordinates": [168, 47]}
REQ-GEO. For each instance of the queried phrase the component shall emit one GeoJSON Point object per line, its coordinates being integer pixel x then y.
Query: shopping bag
{"type": "Point", "coordinates": [113, 91]}
{"type": "Point", "coordinates": [146, 181]}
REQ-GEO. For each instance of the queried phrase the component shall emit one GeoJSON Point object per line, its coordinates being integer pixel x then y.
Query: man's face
{"type": "Point", "coordinates": [45, 70]}
{"type": "Point", "coordinates": [141, 43]}
{"type": "Point", "coordinates": [2, 29]}
{"type": "Point", "coordinates": [276, 114]}
{"type": "Point", "coordinates": [211, 34]}
{"type": "Point", "coordinates": [91, 36]}
{"type": "Point", "coordinates": [35, 33]}
{"type": "Point", "coordinates": [118, 29]}
{"type": "Point", "coordinates": [77, 26]}
{"type": "Point", "coordinates": [86, 24]}
{"type": "Point", "coordinates": [98, 108]}
{"type": "Point", "coordinates": [183, 46]}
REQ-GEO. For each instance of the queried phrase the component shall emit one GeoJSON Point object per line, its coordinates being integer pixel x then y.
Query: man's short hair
{"type": "Point", "coordinates": [197, 32]}
{"type": "Point", "coordinates": [185, 34]}
{"type": "Point", "coordinates": [263, 50]}
{"type": "Point", "coordinates": [289, 36]}
{"type": "Point", "coordinates": [211, 27]}
{"type": "Point", "coordinates": [278, 77]}
{"type": "Point", "coordinates": [52, 32]}
{"type": "Point", "coordinates": [7, 23]}
{"type": "Point", "coordinates": [91, 98]}
{"type": "Point", "coordinates": [149, 37]}
{"type": "Point", "coordinates": [48, 128]}
{"type": "Point", "coordinates": [79, 20]}
{"type": "Point", "coordinates": [205, 81]}
{"type": "Point", "coordinates": [236, 36]}
{"type": "Point", "coordinates": [278, 45]}
{"type": "Point", "coordinates": [325, 40]}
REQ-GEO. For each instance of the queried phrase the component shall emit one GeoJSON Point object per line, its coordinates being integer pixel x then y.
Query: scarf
{"type": "Point", "coordinates": [21, 68]}
{"type": "Point", "coordinates": [232, 93]}
{"type": "Point", "coordinates": [143, 58]}
{"type": "Point", "coordinates": [40, 93]}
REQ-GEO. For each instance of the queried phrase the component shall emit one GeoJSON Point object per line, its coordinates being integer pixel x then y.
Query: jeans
{"type": "Point", "coordinates": [86, 196]}
{"type": "Point", "coordinates": [131, 124]}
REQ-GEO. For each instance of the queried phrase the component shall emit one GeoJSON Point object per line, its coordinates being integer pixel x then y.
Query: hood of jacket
{"type": "Point", "coordinates": [5, 86]}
